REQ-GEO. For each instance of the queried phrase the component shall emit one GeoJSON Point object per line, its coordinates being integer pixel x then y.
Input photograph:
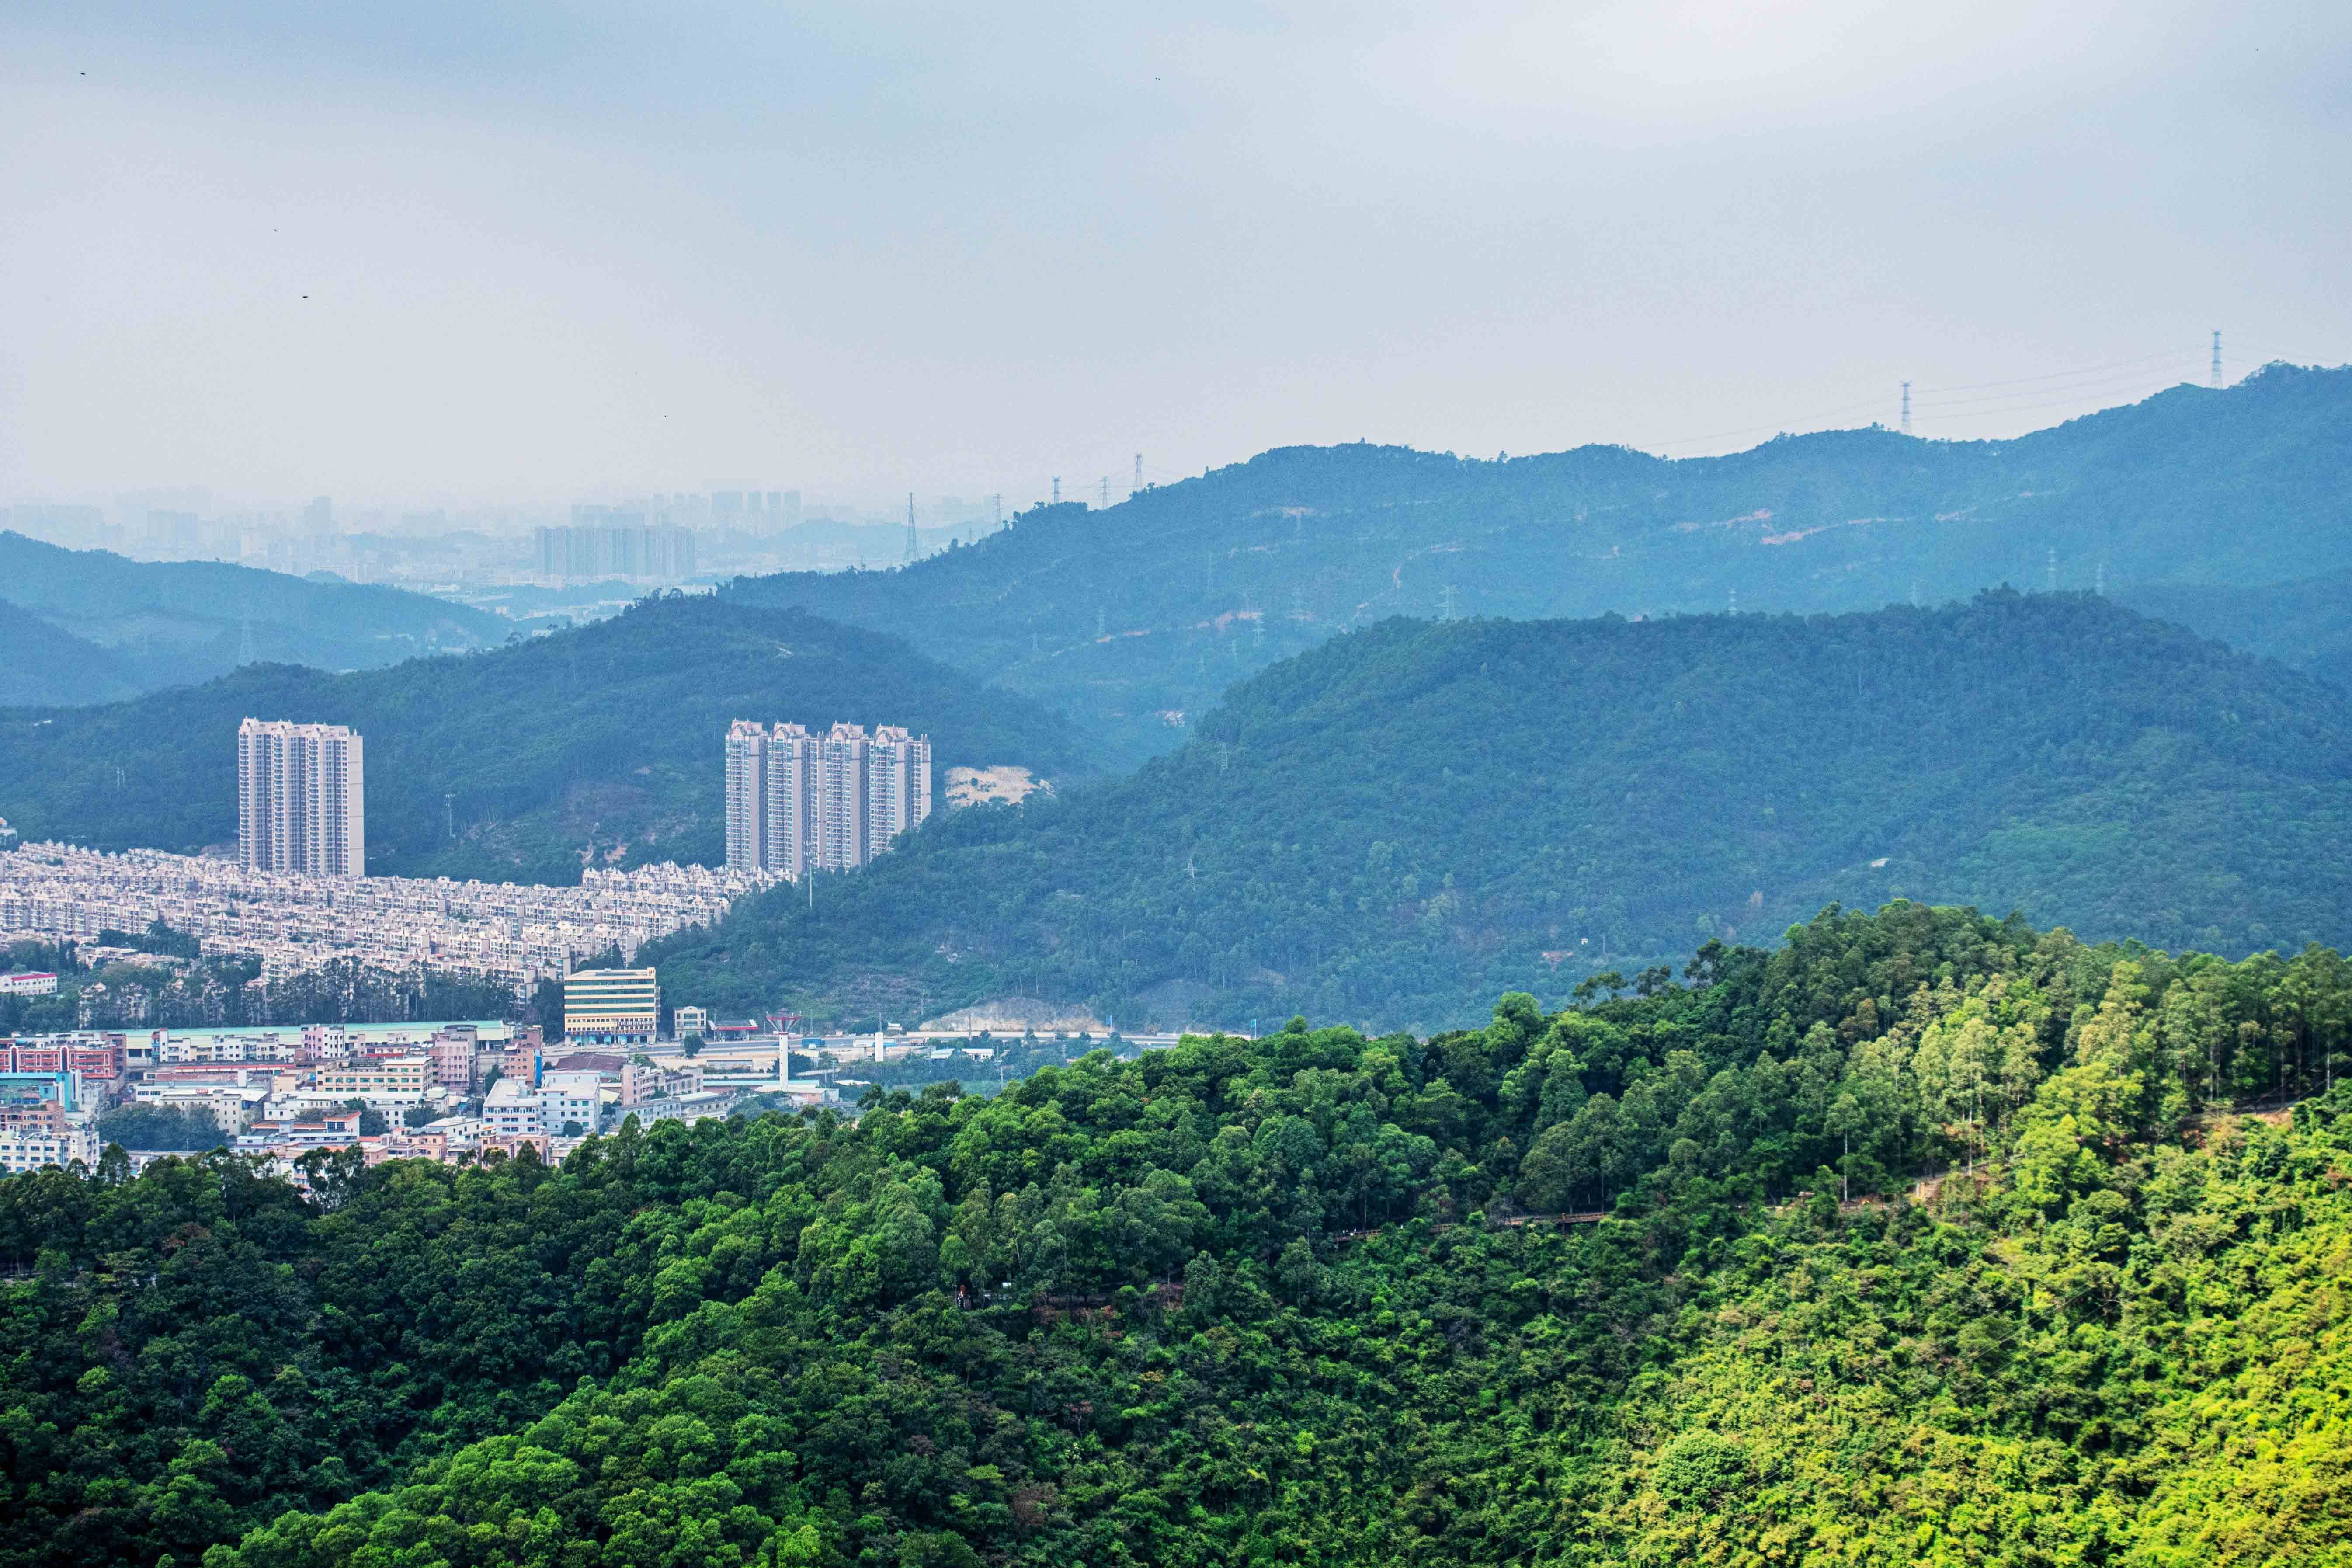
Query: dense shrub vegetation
{"type": "Point", "coordinates": [1402, 825]}
{"type": "Point", "coordinates": [1306, 1299]}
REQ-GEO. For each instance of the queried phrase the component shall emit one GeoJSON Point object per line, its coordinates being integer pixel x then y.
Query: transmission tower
{"type": "Point", "coordinates": [245, 654]}
{"type": "Point", "coordinates": [2217, 359]}
{"type": "Point", "coordinates": [1139, 470]}
{"type": "Point", "coordinates": [1058, 489]}
{"type": "Point", "coordinates": [1104, 499]}
{"type": "Point", "coordinates": [1906, 408]}
{"type": "Point", "coordinates": [2053, 569]}
{"type": "Point", "coordinates": [1446, 603]}
{"type": "Point", "coordinates": [996, 510]}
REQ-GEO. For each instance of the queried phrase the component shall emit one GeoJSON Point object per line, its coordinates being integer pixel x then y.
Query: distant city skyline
{"type": "Point", "coordinates": [533, 255]}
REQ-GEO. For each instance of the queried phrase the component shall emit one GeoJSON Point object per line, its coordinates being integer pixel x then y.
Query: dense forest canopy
{"type": "Point", "coordinates": [1126, 616]}
{"type": "Point", "coordinates": [1922, 1238]}
{"type": "Point", "coordinates": [167, 623]}
{"type": "Point", "coordinates": [1417, 817]}
{"type": "Point", "coordinates": [604, 740]}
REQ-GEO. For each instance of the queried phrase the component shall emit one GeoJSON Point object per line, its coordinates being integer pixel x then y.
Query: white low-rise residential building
{"type": "Point", "coordinates": [381, 1082]}
{"type": "Point", "coordinates": [232, 1107]}
{"type": "Point", "coordinates": [294, 923]}
{"type": "Point", "coordinates": [29, 1149]}
{"type": "Point", "coordinates": [701, 1105]}
{"type": "Point", "coordinates": [515, 1110]}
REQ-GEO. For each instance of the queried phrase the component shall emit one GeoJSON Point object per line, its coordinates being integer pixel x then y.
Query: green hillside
{"type": "Point", "coordinates": [43, 663]}
{"type": "Point", "coordinates": [2303, 623]}
{"type": "Point", "coordinates": [167, 623]}
{"type": "Point", "coordinates": [1126, 617]}
{"type": "Point", "coordinates": [606, 741]}
{"type": "Point", "coordinates": [1416, 815]}
{"type": "Point", "coordinates": [1301, 1300]}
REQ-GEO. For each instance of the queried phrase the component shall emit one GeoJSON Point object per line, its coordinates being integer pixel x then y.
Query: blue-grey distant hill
{"type": "Point", "coordinates": [1133, 617]}
{"type": "Point", "coordinates": [42, 664]}
{"type": "Point", "coordinates": [168, 623]}
{"type": "Point", "coordinates": [603, 744]}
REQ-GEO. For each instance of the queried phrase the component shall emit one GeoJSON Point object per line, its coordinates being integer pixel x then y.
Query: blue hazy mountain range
{"type": "Point", "coordinates": [1129, 617]}
{"type": "Point", "coordinates": [167, 623]}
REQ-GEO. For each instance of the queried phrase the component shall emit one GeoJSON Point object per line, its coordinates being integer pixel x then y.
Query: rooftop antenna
{"type": "Point", "coordinates": [913, 548]}
{"type": "Point", "coordinates": [1906, 408]}
{"type": "Point", "coordinates": [2217, 359]}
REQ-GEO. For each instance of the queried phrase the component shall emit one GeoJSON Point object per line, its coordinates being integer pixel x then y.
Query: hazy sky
{"type": "Point", "coordinates": [454, 251]}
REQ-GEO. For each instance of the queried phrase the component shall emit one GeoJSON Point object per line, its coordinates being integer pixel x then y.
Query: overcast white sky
{"type": "Point", "coordinates": [446, 251]}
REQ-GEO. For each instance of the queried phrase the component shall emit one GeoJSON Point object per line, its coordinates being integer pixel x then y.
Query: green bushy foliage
{"type": "Point", "coordinates": [1281, 1301]}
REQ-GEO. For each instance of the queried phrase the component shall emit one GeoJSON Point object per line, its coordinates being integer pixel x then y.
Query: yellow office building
{"type": "Point", "coordinates": [616, 1004]}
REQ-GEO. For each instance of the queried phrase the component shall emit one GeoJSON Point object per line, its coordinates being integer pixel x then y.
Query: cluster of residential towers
{"type": "Point", "coordinates": [798, 801]}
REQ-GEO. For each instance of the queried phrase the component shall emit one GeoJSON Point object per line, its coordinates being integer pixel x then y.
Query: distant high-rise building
{"type": "Point", "coordinates": [798, 801]}
{"type": "Point", "coordinates": [301, 798]}
{"type": "Point", "coordinates": [840, 799]}
{"type": "Point", "coordinates": [614, 542]}
{"type": "Point", "coordinates": [897, 785]}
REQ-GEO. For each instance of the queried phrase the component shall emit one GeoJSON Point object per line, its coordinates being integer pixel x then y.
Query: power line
{"type": "Point", "coordinates": [1926, 399]}
{"type": "Point", "coordinates": [2094, 385]}
{"type": "Point", "coordinates": [2074, 401]}
{"type": "Point", "coordinates": [2059, 374]}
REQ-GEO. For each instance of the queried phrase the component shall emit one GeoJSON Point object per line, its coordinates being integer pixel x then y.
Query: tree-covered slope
{"type": "Point", "coordinates": [1152, 606]}
{"type": "Point", "coordinates": [1418, 814]}
{"type": "Point", "coordinates": [42, 664]}
{"type": "Point", "coordinates": [2303, 623]}
{"type": "Point", "coordinates": [604, 740]}
{"type": "Point", "coordinates": [171, 622]}
{"type": "Point", "coordinates": [1299, 1299]}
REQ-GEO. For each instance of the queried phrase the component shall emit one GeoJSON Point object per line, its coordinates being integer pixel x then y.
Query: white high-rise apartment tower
{"type": "Point", "coordinates": [301, 798]}
{"type": "Point", "coordinates": [798, 801]}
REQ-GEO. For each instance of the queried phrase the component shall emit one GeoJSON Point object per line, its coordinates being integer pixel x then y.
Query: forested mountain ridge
{"type": "Point", "coordinates": [168, 623]}
{"type": "Point", "coordinates": [606, 741]}
{"type": "Point", "coordinates": [1127, 616]}
{"type": "Point", "coordinates": [1301, 1299]}
{"type": "Point", "coordinates": [1412, 816]}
